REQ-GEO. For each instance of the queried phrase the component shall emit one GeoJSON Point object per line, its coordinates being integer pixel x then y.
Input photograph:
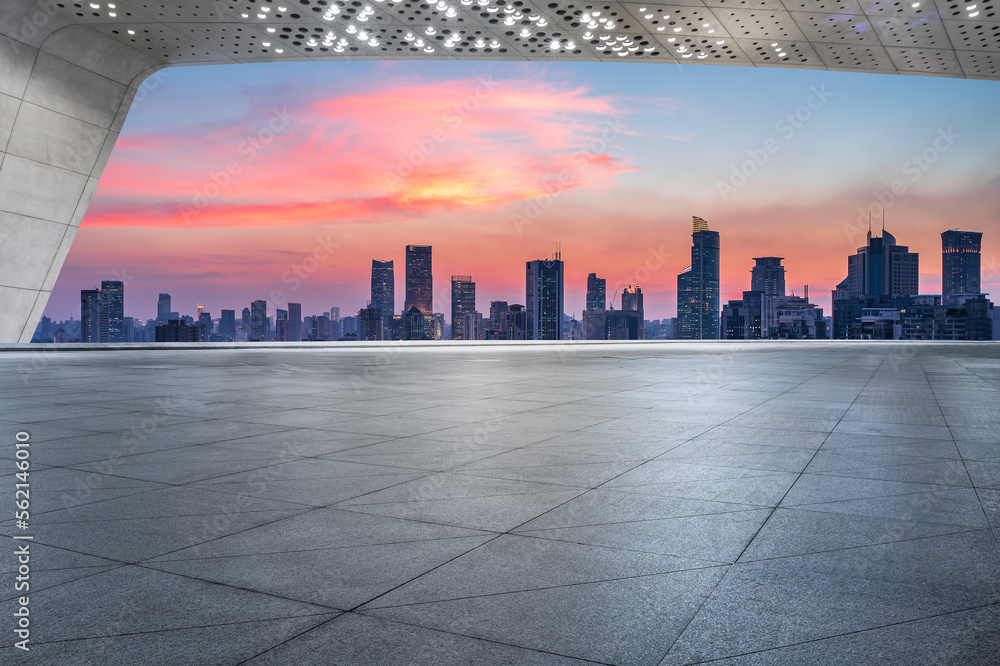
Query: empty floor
{"type": "Point", "coordinates": [630, 504]}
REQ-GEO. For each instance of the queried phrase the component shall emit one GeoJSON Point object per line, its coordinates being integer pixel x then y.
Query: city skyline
{"type": "Point", "coordinates": [879, 297]}
{"type": "Point", "coordinates": [479, 194]}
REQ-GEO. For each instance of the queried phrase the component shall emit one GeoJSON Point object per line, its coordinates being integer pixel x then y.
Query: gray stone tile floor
{"type": "Point", "coordinates": [674, 503]}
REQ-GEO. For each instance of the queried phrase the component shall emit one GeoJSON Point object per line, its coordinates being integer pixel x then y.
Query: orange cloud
{"type": "Point", "coordinates": [392, 153]}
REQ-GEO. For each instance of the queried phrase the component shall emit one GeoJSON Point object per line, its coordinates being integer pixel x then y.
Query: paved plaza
{"type": "Point", "coordinates": [650, 503]}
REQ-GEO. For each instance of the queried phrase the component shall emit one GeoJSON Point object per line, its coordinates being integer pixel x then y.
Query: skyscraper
{"type": "Point", "coordinates": [258, 321]}
{"type": "Point", "coordinates": [463, 301]}
{"type": "Point", "coordinates": [419, 279]}
{"type": "Point", "coordinates": [698, 287]}
{"type": "Point", "coordinates": [497, 308]}
{"type": "Point", "coordinates": [227, 325]}
{"type": "Point", "coordinates": [596, 292]}
{"type": "Point", "coordinates": [960, 262]}
{"type": "Point", "coordinates": [767, 277]}
{"type": "Point", "coordinates": [371, 324]}
{"type": "Point", "coordinates": [544, 298]}
{"type": "Point", "coordinates": [115, 290]}
{"type": "Point", "coordinates": [163, 308]}
{"type": "Point", "coordinates": [93, 316]}
{"type": "Point", "coordinates": [384, 290]}
{"type": "Point", "coordinates": [881, 268]}
{"type": "Point", "coordinates": [245, 324]}
{"type": "Point", "coordinates": [294, 322]}
{"type": "Point", "coordinates": [281, 325]}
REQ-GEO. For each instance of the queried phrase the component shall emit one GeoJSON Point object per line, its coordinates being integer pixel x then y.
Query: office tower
{"type": "Point", "coordinates": [463, 300]}
{"type": "Point", "coordinates": [632, 299]}
{"type": "Point", "coordinates": [767, 277]}
{"type": "Point", "coordinates": [960, 262]}
{"type": "Point", "coordinates": [281, 326]}
{"type": "Point", "coordinates": [544, 298]}
{"type": "Point", "coordinates": [514, 323]}
{"type": "Point", "coordinates": [205, 325]}
{"type": "Point", "coordinates": [163, 308]}
{"type": "Point", "coordinates": [741, 319]}
{"type": "Point", "coordinates": [698, 287]}
{"type": "Point", "coordinates": [881, 268]}
{"type": "Point", "coordinates": [371, 324]}
{"type": "Point", "coordinates": [322, 327]}
{"type": "Point", "coordinates": [472, 326]}
{"type": "Point", "coordinates": [227, 326]}
{"type": "Point", "coordinates": [497, 308]}
{"type": "Point", "coordinates": [115, 290]}
{"type": "Point", "coordinates": [258, 321]}
{"type": "Point", "coordinates": [93, 316]}
{"type": "Point", "coordinates": [294, 322]}
{"type": "Point", "coordinates": [384, 289]}
{"type": "Point", "coordinates": [419, 279]}
{"type": "Point", "coordinates": [335, 314]}
{"type": "Point", "coordinates": [245, 324]}
{"type": "Point", "coordinates": [413, 324]}
{"type": "Point", "coordinates": [596, 292]}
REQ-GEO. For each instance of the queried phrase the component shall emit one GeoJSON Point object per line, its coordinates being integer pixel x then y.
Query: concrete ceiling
{"type": "Point", "coordinates": [929, 37]}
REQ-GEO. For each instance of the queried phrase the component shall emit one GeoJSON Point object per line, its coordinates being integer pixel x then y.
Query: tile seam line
{"type": "Point", "coordinates": [965, 466]}
{"type": "Point", "coordinates": [859, 355]}
{"type": "Point", "coordinates": [851, 633]}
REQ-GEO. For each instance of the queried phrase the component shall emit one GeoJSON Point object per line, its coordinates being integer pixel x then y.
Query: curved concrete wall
{"type": "Point", "coordinates": [64, 93]}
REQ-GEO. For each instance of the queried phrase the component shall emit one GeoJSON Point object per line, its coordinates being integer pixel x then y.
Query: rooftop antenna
{"type": "Point", "coordinates": [883, 221]}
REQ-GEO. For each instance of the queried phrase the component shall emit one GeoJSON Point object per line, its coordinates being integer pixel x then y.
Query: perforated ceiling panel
{"type": "Point", "coordinates": [943, 38]}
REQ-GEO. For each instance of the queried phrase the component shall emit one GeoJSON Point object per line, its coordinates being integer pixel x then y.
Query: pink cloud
{"type": "Point", "coordinates": [368, 156]}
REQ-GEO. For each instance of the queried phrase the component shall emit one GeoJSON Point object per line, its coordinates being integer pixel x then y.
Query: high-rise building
{"type": "Point", "coordinates": [960, 262]}
{"type": "Point", "coordinates": [384, 290]}
{"type": "Point", "coordinates": [419, 279]}
{"type": "Point", "coordinates": [597, 296]}
{"type": "Point", "coordinates": [741, 319]}
{"type": "Point", "coordinates": [281, 325]}
{"type": "Point", "coordinates": [414, 322]}
{"type": "Point", "coordinates": [881, 268]}
{"type": "Point", "coordinates": [163, 308]}
{"type": "Point", "coordinates": [463, 300]}
{"type": "Point", "coordinates": [205, 325]}
{"type": "Point", "coordinates": [294, 322]}
{"type": "Point", "coordinates": [245, 324]}
{"type": "Point", "coordinates": [472, 326]}
{"type": "Point", "coordinates": [371, 324]}
{"type": "Point", "coordinates": [514, 323]}
{"type": "Point", "coordinates": [767, 277]}
{"type": "Point", "coordinates": [497, 308]}
{"type": "Point", "coordinates": [258, 321]}
{"type": "Point", "coordinates": [115, 290]}
{"type": "Point", "coordinates": [227, 326]}
{"type": "Point", "coordinates": [93, 316]}
{"type": "Point", "coordinates": [698, 287]}
{"type": "Point", "coordinates": [544, 298]}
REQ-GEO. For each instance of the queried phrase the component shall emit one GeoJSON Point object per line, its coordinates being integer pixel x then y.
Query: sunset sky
{"type": "Point", "coordinates": [283, 182]}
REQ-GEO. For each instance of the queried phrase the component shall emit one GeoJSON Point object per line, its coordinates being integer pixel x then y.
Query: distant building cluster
{"type": "Point", "coordinates": [878, 300]}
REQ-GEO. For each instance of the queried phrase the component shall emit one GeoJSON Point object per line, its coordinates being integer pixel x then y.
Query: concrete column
{"type": "Point", "coordinates": [65, 90]}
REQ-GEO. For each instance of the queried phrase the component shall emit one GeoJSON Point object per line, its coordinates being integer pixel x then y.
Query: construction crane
{"type": "Point", "coordinates": [613, 300]}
